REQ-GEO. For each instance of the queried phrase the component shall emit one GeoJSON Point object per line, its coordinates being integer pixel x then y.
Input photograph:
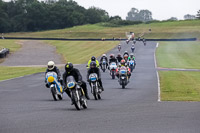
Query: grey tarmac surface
{"type": "Point", "coordinates": [26, 106]}
{"type": "Point", "coordinates": [33, 53]}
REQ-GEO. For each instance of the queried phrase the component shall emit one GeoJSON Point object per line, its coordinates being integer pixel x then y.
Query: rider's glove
{"type": "Point", "coordinates": [47, 85]}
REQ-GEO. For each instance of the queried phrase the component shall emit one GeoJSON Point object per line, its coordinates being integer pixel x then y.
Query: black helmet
{"type": "Point", "coordinates": [93, 58]}
{"type": "Point", "coordinates": [68, 67]}
{"type": "Point", "coordinates": [93, 64]}
{"type": "Point", "coordinates": [119, 55]}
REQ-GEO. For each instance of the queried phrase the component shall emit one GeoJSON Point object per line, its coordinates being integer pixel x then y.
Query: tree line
{"type": "Point", "coordinates": [32, 15]}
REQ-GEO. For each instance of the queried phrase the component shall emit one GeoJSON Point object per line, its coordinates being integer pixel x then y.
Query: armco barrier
{"type": "Point", "coordinates": [96, 39]}
{"type": "Point", "coordinates": [4, 52]}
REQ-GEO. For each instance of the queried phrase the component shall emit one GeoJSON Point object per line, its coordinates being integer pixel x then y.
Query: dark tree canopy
{"type": "Point", "coordinates": [32, 15]}
{"type": "Point", "coordinates": [198, 14]}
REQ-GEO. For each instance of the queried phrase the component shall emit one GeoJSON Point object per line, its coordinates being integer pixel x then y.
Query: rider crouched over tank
{"type": "Point", "coordinates": [94, 69]}
{"type": "Point", "coordinates": [71, 71]}
{"type": "Point", "coordinates": [123, 63]}
{"type": "Point", "coordinates": [103, 58]}
{"type": "Point", "coordinates": [51, 67]}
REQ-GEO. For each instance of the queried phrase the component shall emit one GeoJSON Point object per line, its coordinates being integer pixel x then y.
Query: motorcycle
{"type": "Point", "coordinates": [132, 49]}
{"type": "Point", "coordinates": [131, 65]}
{"type": "Point", "coordinates": [95, 86]}
{"type": "Point", "coordinates": [55, 85]}
{"type": "Point", "coordinates": [123, 78]}
{"type": "Point", "coordinates": [104, 65]}
{"type": "Point", "coordinates": [77, 93]}
{"type": "Point", "coordinates": [119, 48]}
{"type": "Point", "coordinates": [113, 68]}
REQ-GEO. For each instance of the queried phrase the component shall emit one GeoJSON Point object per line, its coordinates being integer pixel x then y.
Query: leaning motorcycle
{"type": "Point", "coordinates": [113, 67]}
{"type": "Point", "coordinates": [77, 93]}
{"type": "Point", "coordinates": [131, 65]}
{"type": "Point", "coordinates": [93, 78]}
{"type": "Point", "coordinates": [55, 85]}
{"type": "Point", "coordinates": [123, 77]}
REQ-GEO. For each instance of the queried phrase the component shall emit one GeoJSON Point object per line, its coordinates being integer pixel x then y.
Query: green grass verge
{"type": "Point", "coordinates": [13, 45]}
{"type": "Point", "coordinates": [13, 72]}
{"type": "Point", "coordinates": [174, 29]}
{"type": "Point", "coordinates": [180, 86]}
{"type": "Point", "coordinates": [79, 52]}
{"type": "Point", "coordinates": [178, 55]}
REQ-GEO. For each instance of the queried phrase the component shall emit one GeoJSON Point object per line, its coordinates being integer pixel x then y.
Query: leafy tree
{"type": "Point", "coordinates": [142, 15]}
{"type": "Point", "coordinates": [189, 17]}
{"type": "Point", "coordinates": [115, 18]}
{"type": "Point", "coordinates": [198, 14]}
{"type": "Point", "coordinates": [172, 19]}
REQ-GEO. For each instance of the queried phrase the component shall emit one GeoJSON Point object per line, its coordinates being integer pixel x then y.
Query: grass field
{"type": "Point", "coordinates": [179, 55]}
{"type": "Point", "coordinates": [180, 86]}
{"type": "Point", "coordinates": [79, 52]}
{"type": "Point", "coordinates": [13, 72]}
{"type": "Point", "coordinates": [13, 45]}
{"type": "Point", "coordinates": [174, 29]}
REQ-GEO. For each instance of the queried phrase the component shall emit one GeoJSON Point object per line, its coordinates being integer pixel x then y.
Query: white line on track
{"type": "Point", "coordinates": [158, 78]}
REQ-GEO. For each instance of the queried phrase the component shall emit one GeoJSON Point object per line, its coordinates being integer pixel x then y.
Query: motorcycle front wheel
{"type": "Point", "coordinates": [53, 92]}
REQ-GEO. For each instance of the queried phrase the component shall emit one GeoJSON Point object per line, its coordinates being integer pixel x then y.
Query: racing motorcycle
{"type": "Point", "coordinates": [123, 77]}
{"type": "Point", "coordinates": [131, 65]}
{"type": "Point", "coordinates": [55, 85]}
{"type": "Point", "coordinates": [119, 48]}
{"type": "Point", "coordinates": [104, 65]}
{"type": "Point", "coordinates": [77, 93]}
{"type": "Point", "coordinates": [93, 78]}
{"type": "Point", "coordinates": [113, 67]}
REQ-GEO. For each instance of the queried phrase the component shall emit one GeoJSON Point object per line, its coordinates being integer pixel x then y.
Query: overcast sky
{"type": "Point", "coordinates": [161, 9]}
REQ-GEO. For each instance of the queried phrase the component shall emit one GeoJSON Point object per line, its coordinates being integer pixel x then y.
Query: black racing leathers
{"type": "Point", "coordinates": [77, 76]}
{"type": "Point", "coordinates": [97, 71]}
{"type": "Point", "coordinates": [112, 60]}
{"type": "Point", "coordinates": [119, 58]}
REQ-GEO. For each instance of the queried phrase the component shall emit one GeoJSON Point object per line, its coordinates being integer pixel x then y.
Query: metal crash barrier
{"type": "Point", "coordinates": [4, 52]}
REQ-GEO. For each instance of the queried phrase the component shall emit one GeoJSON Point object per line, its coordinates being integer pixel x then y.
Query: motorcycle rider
{"type": "Point", "coordinates": [134, 41]}
{"type": "Point", "coordinates": [132, 57]}
{"type": "Point", "coordinates": [133, 48]}
{"type": "Point", "coordinates": [126, 53]}
{"type": "Point", "coordinates": [71, 71]}
{"type": "Point", "coordinates": [119, 47]}
{"type": "Point", "coordinates": [103, 58]}
{"type": "Point", "coordinates": [123, 63]}
{"type": "Point", "coordinates": [144, 41]}
{"type": "Point", "coordinates": [119, 57]}
{"type": "Point", "coordinates": [112, 59]}
{"type": "Point", "coordinates": [94, 69]}
{"type": "Point", "coordinates": [52, 68]}
{"type": "Point", "coordinates": [93, 58]}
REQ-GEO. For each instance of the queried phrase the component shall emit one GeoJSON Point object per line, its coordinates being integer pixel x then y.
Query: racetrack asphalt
{"type": "Point", "coordinates": [26, 105]}
{"type": "Point", "coordinates": [33, 53]}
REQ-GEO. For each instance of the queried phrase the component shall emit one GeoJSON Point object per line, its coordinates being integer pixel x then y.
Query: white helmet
{"type": "Point", "coordinates": [51, 65]}
{"type": "Point", "coordinates": [104, 55]}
